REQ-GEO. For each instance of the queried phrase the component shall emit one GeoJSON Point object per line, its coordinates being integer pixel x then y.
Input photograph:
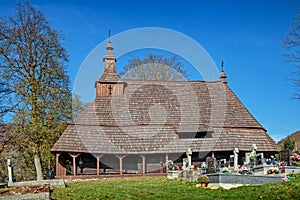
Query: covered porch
{"type": "Point", "coordinates": [83, 165]}
{"type": "Point", "coordinates": [94, 165]}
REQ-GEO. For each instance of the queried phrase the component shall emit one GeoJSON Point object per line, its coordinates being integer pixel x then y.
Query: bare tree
{"type": "Point", "coordinates": [292, 45]}
{"type": "Point", "coordinates": [34, 86]}
{"type": "Point", "coordinates": [154, 67]}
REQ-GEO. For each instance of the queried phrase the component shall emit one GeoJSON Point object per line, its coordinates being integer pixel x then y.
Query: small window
{"type": "Point", "coordinates": [195, 135]}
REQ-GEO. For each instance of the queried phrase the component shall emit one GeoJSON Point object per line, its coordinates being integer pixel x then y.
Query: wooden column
{"type": "Point", "coordinates": [143, 164]}
{"type": "Point", "coordinates": [167, 158]}
{"type": "Point", "coordinates": [58, 166]}
{"type": "Point", "coordinates": [74, 156]}
{"type": "Point", "coordinates": [98, 164]}
{"type": "Point", "coordinates": [121, 163]}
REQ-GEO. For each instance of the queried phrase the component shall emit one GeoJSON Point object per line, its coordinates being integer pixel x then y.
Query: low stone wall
{"type": "Point", "coordinates": [262, 170]}
{"type": "Point", "coordinates": [243, 179]}
{"type": "Point", "coordinates": [292, 170]}
{"type": "Point", "coordinates": [38, 196]}
{"type": "Point", "coordinates": [54, 183]}
{"type": "Point", "coordinates": [173, 174]}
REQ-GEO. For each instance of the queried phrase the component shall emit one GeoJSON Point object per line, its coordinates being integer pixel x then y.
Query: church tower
{"type": "Point", "coordinates": [109, 84]}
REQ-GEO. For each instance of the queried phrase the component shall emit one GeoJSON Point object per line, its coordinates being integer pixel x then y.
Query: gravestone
{"type": "Point", "coordinates": [222, 163]}
{"type": "Point", "coordinates": [185, 164]}
{"type": "Point", "coordinates": [285, 156]}
{"type": "Point", "coordinates": [231, 161]}
{"type": "Point", "coordinates": [170, 165]}
{"type": "Point", "coordinates": [253, 155]}
{"type": "Point", "coordinates": [189, 153]}
{"type": "Point", "coordinates": [235, 162]}
{"type": "Point", "coordinates": [211, 165]}
{"type": "Point", "coordinates": [10, 171]}
{"type": "Point", "coordinates": [259, 158]}
{"type": "Point", "coordinates": [247, 158]}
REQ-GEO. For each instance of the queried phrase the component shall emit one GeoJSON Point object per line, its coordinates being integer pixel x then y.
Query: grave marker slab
{"type": "Point", "coordinates": [222, 163]}
{"type": "Point", "coordinates": [231, 161]}
{"type": "Point", "coordinates": [285, 155]}
{"type": "Point", "coordinates": [211, 165]}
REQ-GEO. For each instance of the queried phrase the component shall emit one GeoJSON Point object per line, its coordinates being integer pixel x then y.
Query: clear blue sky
{"type": "Point", "coordinates": [247, 35]}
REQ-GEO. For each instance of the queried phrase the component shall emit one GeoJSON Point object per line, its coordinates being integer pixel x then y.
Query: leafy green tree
{"type": "Point", "coordinates": [289, 144]}
{"type": "Point", "coordinates": [34, 86]}
{"type": "Point", "coordinates": [77, 105]}
{"type": "Point", "coordinates": [154, 67]}
{"type": "Point", "coordinates": [292, 45]}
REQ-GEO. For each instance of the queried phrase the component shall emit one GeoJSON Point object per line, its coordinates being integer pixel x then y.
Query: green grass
{"type": "Point", "coordinates": [162, 188]}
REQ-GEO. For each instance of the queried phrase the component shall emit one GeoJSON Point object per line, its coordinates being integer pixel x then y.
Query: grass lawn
{"type": "Point", "coordinates": [162, 188]}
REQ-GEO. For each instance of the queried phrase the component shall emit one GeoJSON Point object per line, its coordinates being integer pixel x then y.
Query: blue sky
{"type": "Point", "coordinates": [247, 35]}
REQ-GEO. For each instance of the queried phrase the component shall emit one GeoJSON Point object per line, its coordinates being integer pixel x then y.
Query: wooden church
{"type": "Point", "coordinates": [135, 127]}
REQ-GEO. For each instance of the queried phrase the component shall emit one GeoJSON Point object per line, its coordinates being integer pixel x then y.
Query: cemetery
{"type": "Point", "coordinates": [256, 169]}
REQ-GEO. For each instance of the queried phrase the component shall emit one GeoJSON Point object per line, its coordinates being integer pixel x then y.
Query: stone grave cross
{"type": "Point", "coordinates": [189, 153]}
{"type": "Point", "coordinates": [235, 152]}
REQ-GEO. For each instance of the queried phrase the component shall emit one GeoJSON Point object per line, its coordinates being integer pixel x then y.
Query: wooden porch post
{"type": "Point", "coordinates": [58, 167]}
{"type": "Point", "coordinates": [98, 164]}
{"type": "Point", "coordinates": [143, 164]}
{"type": "Point", "coordinates": [121, 163]}
{"type": "Point", "coordinates": [74, 156]}
{"type": "Point", "coordinates": [167, 158]}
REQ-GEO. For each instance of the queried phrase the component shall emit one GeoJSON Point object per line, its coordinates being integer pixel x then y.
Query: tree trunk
{"type": "Point", "coordinates": [38, 167]}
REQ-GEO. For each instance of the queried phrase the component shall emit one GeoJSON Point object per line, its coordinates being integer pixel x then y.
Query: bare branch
{"type": "Point", "coordinates": [154, 67]}
{"type": "Point", "coordinates": [292, 45]}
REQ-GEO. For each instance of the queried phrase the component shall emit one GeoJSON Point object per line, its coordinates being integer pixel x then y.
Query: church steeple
{"type": "Point", "coordinates": [109, 59]}
{"type": "Point", "coordinates": [109, 84]}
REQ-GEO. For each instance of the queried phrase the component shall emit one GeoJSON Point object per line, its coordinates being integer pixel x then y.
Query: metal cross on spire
{"type": "Point", "coordinates": [222, 65]}
{"type": "Point", "coordinates": [108, 33]}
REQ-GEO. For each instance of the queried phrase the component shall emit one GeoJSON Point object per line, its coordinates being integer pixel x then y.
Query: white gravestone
{"type": "Point", "coordinates": [10, 171]}
{"type": "Point", "coordinates": [185, 164]}
{"type": "Point", "coordinates": [223, 163]}
{"type": "Point", "coordinates": [247, 158]}
{"type": "Point", "coordinates": [236, 151]}
{"type": "Point", "coordinates": [189, 153]}
{"type": "Point", "coordinates": [253, 154]}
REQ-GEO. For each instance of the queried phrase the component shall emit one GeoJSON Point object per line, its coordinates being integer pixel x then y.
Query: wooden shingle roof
{"type": "Point", "coordinates": [149, 115]}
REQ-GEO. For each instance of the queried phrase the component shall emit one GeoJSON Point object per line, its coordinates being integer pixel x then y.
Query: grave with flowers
{"type": "Point", "coordinates": [295, 159]}
{"type": "Point", "coordinates": [256, 169]}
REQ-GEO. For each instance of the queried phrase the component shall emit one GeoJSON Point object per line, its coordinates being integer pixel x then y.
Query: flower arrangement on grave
{"type": "Point", "coordinates": [295, 159]}
{"type": "Point", "coordinates": [245, 170]}
{"type": "Point", "coordinates": [286, 178]}
{"type": "Point", "coordinates": [225, 170]}
{"type": "Point", "coordinates": [273, 170]}
{"type": "Point", "coordinates": [252, 160]}
{"type": "Point", "coordinates": [44, 188]}
{"type": "Point", "coordinates": [177, 167]}
{"type": "Point", "coordinates": [203, 179]}
{"type": "Point", "coordinates": [271, 160]}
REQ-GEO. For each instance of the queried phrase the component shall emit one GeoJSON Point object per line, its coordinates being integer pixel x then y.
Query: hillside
{"type": "Point", "coordinates": [295, 137]}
